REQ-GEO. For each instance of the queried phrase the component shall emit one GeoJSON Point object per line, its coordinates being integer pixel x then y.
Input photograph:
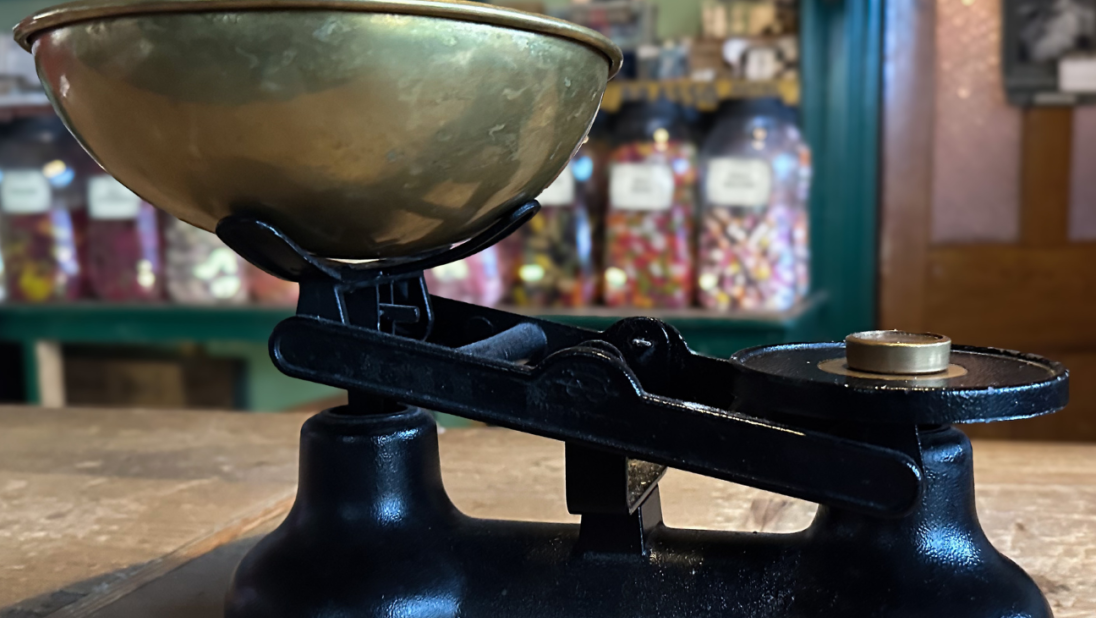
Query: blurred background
{"type": "Point", "coordinates": [762, 171]}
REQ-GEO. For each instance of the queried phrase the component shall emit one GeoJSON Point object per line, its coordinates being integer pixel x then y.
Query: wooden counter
{"type": "Point", "coordinates": [110, 514]}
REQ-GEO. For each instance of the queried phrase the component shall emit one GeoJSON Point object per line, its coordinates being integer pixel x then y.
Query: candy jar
{"type": "Point", "coordinates": [554, 256]}
{"type": "Point", "coordinates": [125, 248]}
{"type": "Point", "coordinates": [201, 269]}
{"type": "Point", "coordinates": [752, 215]}
{"type": "Point", "coordinates": [43, 205]}
{"type": "Point", "coordinates": [476, 279]}
{"type": "Point", "coordinates": [649, 220]}
{"type": "Point", "coordinates": [801, 227]}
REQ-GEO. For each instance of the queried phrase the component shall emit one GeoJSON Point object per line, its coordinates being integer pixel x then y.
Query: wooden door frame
{"type": "Point", "coordinates": [909, 102]}
{"type": "Point", "coordinates": [1034, 293]}
{"type": "Point", "coordinates": [909, 263]}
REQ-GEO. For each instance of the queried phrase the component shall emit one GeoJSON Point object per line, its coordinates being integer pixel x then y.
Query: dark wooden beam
{"type": "Point", "coordinates": [908, 111]}
{"type": "Point", "coordinates": [1045, 176]}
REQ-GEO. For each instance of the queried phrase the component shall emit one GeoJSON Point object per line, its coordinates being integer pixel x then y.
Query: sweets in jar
{"type": "Point", "coordinates": [554, 252]}
{"type": "Point", "coordinates": [199, 268]}
{"type": "Point", "coordinates": [801, 240]}
{"type": "Point", "coordinates": [42, 203]}
{"type": "Point", "coordinates": [752, 231]}
{"type": "Point", "coordinates": [266, 289]}
{"type": "Point", "coordinates": [125, 249]}
{"type": "Point", "coordinates": [651, 209]}
{"type": "Point", "coordinates": [476, 279]}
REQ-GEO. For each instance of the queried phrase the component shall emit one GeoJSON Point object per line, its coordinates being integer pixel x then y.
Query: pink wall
{"type": "Point", "coordinates": [976, 162]}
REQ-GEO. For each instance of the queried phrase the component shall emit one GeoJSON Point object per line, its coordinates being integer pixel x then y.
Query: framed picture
{"type": "Point", "coordinates": [1044, 40]}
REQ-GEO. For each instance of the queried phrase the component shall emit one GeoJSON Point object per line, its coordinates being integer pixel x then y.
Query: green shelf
{"type": "Point", "coordinates": [135, 324]}
{"type": "Point", "coordinates": [710, 333]}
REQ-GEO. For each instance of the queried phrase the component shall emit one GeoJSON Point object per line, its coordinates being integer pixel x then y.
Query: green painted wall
{"type": "Point", "coordinates": [13, 11]}
{"type": "Point", "coordinates": [676, 18]}
{"type": "Point", "coordinates": [266, 389]}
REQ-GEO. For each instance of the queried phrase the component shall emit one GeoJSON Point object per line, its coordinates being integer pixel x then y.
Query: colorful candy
{"type": "Point", "coordinates": [746, 259]}
{"type": "Point", "coordinates": [476, 279]}
{"type": "Point", "coordinates": [200, 268]}
{"type": "Point", "coordinates": [42, 238]}
{"type": "Point", "coordinates": [553, 262]}
{"type": "Point", "coordinates": [753, 251]}
{"type": "Point", "coordinates": [649, 224]}
{"type": "Point", "coordinates": [124, 244]}
{"type": "Point", "coordinates": [266, 289]}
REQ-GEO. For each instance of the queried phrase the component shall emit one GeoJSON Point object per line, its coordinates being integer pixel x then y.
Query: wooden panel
{"type": "Point", "coordinates": [1077, 423]}
{"type": "Point", "coordinates": [1044, 176]}
{"type": "Point", "coordinates": [908, 104]}
{"type": "Point", "coordinates": [1082, 194]}
{"type": "Point", "coordinates": [1015, 297]}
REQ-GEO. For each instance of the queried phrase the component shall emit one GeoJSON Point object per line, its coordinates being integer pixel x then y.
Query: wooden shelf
{"type": "Point", "coordinates": [94, 322]}
{"type": "Point", "coordinates": [22, 104]}
{"type": "Point", "coordinates": [32, 326]}
{"type": "Point", "coordinates": [703, 95]}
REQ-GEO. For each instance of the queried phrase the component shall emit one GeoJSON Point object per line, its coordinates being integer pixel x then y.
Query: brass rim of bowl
{"type": "Point", "coordinates": [87, 10]}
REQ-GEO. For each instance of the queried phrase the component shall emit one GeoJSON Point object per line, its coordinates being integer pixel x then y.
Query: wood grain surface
{"type": "Point", "coordinates": [1045, 165]}
{"type": "Point", "coordinates": [93, 503]}
{"type": "Point", "coordinates": [114, 514]}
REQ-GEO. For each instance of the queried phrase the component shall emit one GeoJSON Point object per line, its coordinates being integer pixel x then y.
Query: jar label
{"type": "Point", "coordinates": [25, 192]}
{"type": "Point", "coordinates": [562, 190]}
{"type": "Point", "coordinates": [739, 182]}
{"type": "Point", "coordinates": [110, 199]}
{"type": "Point", "coordinates": [641, 186]}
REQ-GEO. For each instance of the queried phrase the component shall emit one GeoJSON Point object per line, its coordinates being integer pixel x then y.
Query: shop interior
{"type": "Point", "coordinates": [760, 172]}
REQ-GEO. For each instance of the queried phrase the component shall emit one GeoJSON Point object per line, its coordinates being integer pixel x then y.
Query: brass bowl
{"type": "Point", "coordinates": [361, 128]}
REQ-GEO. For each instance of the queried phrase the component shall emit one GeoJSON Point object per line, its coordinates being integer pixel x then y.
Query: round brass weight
{"type": "Point", "coordinates": [897, 352]}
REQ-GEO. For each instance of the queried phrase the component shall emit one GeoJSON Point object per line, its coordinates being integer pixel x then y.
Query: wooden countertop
{"type": "Point", "coordinates": [109, 513]}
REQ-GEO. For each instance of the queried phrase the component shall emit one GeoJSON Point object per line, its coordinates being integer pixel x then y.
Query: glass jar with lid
{"type": "Point", "coordinates": [554, 254]}
{"type": "Point", "coordinates": [125, 247]}
{"type": "Point", "coordinates": [651, 210]}
{"type": "Point", "coordinates": [42, 201]}
{"type": "Point", "coordinates": [752, 251]}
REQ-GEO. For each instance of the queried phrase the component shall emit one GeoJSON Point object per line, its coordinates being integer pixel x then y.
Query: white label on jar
{"type": "Point", "coordinates": [562, 190]}
{"type": "Point", "coordinates": [641, 186]}
{"type": "Point", "coordinates": [738, 182]}
{"type": "Point", "coordinates": [110, 199]}
{"type": "Point", "coordinates": [24, 192]}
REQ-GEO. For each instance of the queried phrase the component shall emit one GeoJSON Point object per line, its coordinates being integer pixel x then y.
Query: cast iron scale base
{"type": "Point", "coordinates": [373, 533]}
